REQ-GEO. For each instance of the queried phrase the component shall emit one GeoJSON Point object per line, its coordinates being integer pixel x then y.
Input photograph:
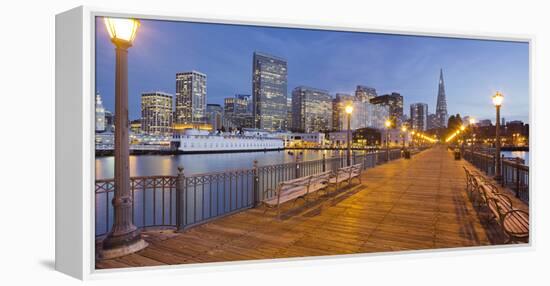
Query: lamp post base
{"type": "Point", "coordinates": [117, 246]}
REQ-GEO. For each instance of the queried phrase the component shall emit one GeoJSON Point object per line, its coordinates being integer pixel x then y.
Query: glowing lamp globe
{"type": "Point", "coordinates": [498, 98]}
{"type": "Point", "coordinates": [387, 123]}
{"type": "Point", "coordinates": [122, 31]}
{"type": "Point", "coordinates": [349, 109]}
{"type": "Point", "coordinates": [462, 128]}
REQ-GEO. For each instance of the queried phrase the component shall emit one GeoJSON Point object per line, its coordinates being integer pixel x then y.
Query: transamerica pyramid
{"type": "Point", "coordinates": [441, 107]}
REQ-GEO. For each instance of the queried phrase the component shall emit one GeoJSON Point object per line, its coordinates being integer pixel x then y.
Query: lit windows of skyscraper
{"type": "Point", "coordinates": [311, 109]}
{"type": "Point", "coordinates": [99, 114]}
{"type": "Point", "coordinates": [269, 91]}
{"type": "Point", "coordinates": [419, 116]}
{"type": "Point", "coordinates": [339, 119]}
{"type": "Point", "coordinates": [156, 113]}
{"type": "Point", "coordinates": [214, 113]}
{"type": "Point", "coordinates": [236, 111]}
{"type": "Point", "coordinates": [190, 97]}
{"type": "Point", "coordinates": [394, 101]}
{"type": "Point", "coordinates": [365, 93]}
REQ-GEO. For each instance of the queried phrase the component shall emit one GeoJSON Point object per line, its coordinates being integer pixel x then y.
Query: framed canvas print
{"type": "Point", "coordinates": [196, 141]}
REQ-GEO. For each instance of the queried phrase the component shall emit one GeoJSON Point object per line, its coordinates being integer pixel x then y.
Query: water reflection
{"type": "Point", "coordinates": [521, 154]}
{"type": "Point", "coordinates": [151, 165]}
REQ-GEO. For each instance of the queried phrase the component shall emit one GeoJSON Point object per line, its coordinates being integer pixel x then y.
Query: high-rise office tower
{"type": "Point", "coordinates": [156, 113]}
{"type": "Point", "coordinates": [365, 93]}
{"type": "Point", "coordinates": [99, 114]}
{"type": "Point", "coordinates": [249, 101]}
{"type": "Point", "coordinates": [269, 91]}
{"type": "Point", "coordinates": [190, 97]}
{"type": "Point", "coordinates": [311, 109]}
{"type": "Point", "coordinates": [441, 107]}
{"type": "Point", "coordinates": [394, 102]}
{"type": "Point", "coordinates": [214, 114]}
{"type": "Point", "coordinates": [419, 116]}
{"type": "Point", "coordinates": [236, 111]}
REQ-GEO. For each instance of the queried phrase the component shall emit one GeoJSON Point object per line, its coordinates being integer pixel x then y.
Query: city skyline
{"type": "Point", "coordinates": [410, 65]}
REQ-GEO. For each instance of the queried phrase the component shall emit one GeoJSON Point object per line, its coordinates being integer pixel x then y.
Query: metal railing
{"type": "Point", "coordinates": [153, 202]}
{"type": "Point", "coordinates": [184, 201]}
{"type": "Point", "coordinates": [482, 161]}
{"type": "Point", "coordinates": [514, 174]}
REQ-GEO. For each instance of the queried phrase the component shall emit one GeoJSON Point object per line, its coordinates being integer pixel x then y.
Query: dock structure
{"type": "Point", "coordinates": [402, 205]}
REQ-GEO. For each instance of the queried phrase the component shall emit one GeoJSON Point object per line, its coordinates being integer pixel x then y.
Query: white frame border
{"type": "Point", "coordinates": [88, 177]}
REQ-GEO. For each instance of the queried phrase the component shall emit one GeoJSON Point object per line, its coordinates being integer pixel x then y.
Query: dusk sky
{"type": "Point", "coordinates": [334, 61]}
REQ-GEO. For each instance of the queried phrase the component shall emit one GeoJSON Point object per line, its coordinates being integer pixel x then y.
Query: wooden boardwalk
{"type": "Point", "coordinates": [403, 205]}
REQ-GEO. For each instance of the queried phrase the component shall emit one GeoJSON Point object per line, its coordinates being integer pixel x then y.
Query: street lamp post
{"type": "Point", "coordinates": [462, 129]}
{"type": "Point", "coordinates": [403, 133]}
{"type": "Point", "coordinates": [388, 125]}
{"type": "Point", "coordinates": [124, 237]}
{"type": "Point", "coordinates": [473, 135]}
{"type": "Point", "coordinates": [497, 101]}
{"type": "Point", "coordinates": [349, 110]}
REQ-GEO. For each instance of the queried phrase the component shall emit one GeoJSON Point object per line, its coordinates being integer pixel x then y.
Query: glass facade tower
{"type": "Point", "coordinates": [311, 109]}
{"type": "Point", "coordinates": [190, 97]}
{"type": "Point", "coordinates": [156, 113]}
{"type": "Point", "coordinates": [419, 116]}
{"type": "Point", "coordinates": [269, 91]}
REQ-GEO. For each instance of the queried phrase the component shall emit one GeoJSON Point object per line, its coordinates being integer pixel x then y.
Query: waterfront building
{"type": "Point", "coordinates": [394, 102]}
{"type": "Point", "coordinates": [338, 139]}
{"type": "Point", "coordinates": [99, 114]}
{"type": "Point", "coordinates": [156, 113]}
{"type": "Point", "coordinates": [419, 116]}
{"type": "Point", "coordinates": [135, 126]}
{"type": "Point", "coordinates": [301, 140]}
{"type": "Point", "coordinates": [441, 107]}
{"type": "Point", "coordinates": [367, 136]}
{"type": "Point", "coordinates": [311, 109]}
{"type": "Point", "coordinates": [214, 113]}
{"type": "Point", "coordinates": [190, 98]}
{"type": "Point", "coordinates": [269, 91]}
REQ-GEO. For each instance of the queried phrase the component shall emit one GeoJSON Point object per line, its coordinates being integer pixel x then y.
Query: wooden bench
{"type": "Point", "coordinates": [296, 189]}
{"type": "Point", "coordinates": [345, 174]}
{"type": "Point", "coordinates": [514, 222]}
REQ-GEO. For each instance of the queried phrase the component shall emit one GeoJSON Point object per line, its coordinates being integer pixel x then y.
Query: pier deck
{"type": "Point", "coordinates": [403, 205]}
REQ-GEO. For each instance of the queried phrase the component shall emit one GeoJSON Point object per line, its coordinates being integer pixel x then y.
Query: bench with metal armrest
{"type": "Point", "coordinates": [296, 189]}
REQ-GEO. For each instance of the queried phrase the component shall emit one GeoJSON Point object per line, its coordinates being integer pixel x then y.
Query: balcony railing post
{"type": "Point", "coordinates": [324, 162]}
{"type": "Point", "coordinates": [180, 200]}
{"type": "Point", "coordinates": [297, 167]}
{"type": "Point", "coordinates": [517, 177]}
{"type": "Point", "coordinates": [255, 190]}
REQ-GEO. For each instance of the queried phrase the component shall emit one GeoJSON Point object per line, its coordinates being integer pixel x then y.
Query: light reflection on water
{"type": "Point", "coordinates": [151, 165]}
{"type": "Point", "coordinates": [521, 154]}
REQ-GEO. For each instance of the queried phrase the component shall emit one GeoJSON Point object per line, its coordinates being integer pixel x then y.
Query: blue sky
{"type": "Point", "coordinates": [335, 61]}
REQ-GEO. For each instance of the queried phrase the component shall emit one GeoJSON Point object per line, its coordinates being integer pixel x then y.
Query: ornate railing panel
{"type": "Point", "coordinates": [153, 203]}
